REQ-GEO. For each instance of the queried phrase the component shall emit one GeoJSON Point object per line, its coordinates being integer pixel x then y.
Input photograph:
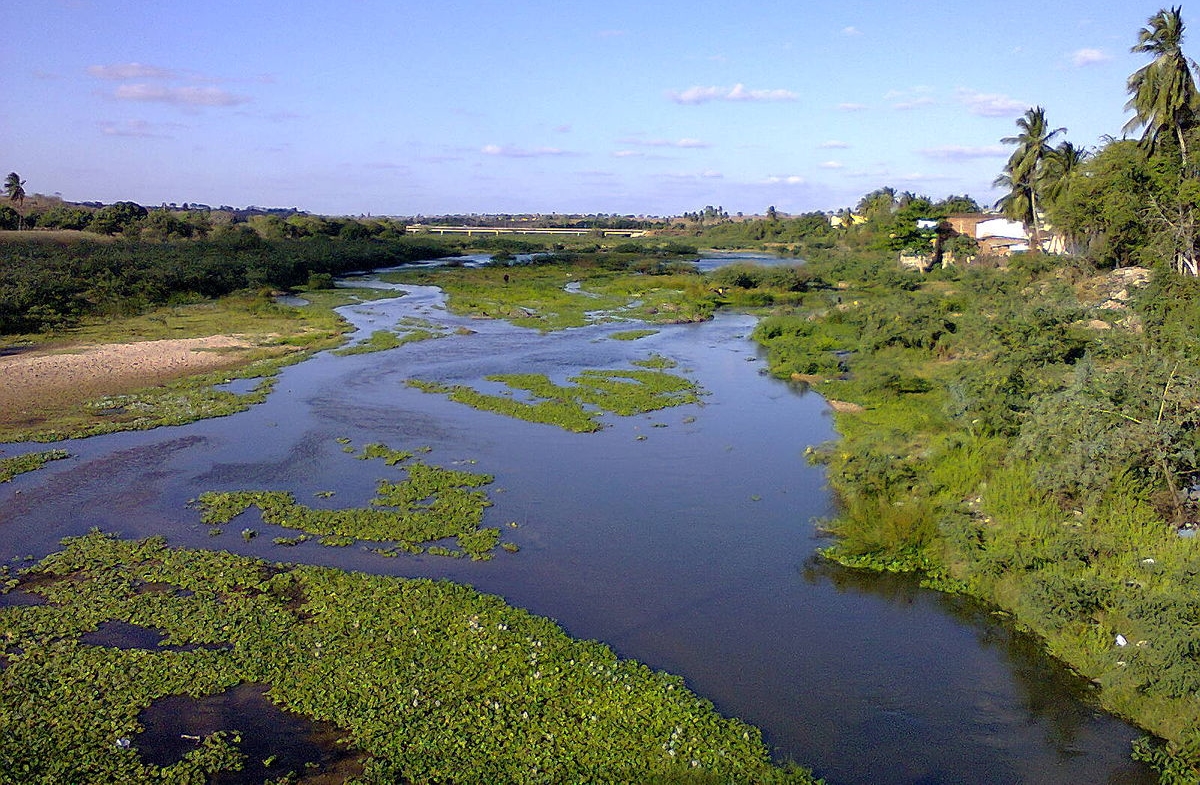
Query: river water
{"type": "Point", "coordinates": [683, 538]}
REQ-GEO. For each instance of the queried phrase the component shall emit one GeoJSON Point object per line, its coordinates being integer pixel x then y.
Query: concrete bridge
{"type": "Point", "coordinates": [497, 230]}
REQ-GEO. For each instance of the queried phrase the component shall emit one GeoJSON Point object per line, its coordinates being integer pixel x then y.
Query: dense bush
{"type": "Point", "coordinates": [46, 284]}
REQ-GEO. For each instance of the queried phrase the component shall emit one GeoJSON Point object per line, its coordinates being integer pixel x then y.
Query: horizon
{"type": "Point", "coordinates": [535, 108]}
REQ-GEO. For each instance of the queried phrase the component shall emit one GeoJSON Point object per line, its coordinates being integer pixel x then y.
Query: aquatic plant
{"type": "Point", "coordinates": [632, 335]}
{"type": "Point", "coordinates": [30, 461]}
{"type": "Point", "coordinates": [576, 406]}
{"type": "Point", "coordinates": [431, 504]}
{"type": "Point", "coordinates": [429, 681]}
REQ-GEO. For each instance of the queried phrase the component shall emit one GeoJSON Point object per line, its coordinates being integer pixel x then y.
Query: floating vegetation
{"type": "Point", "coordinates": [657, 362]}
{"type": "Point", "coordinates": [408, 330]}
{"type": "Point", "coordinates": [427, 680]}
{"type": "Point", "coordinates": [432, 504]}
{"type": "Point", "coordinates": [576, 406]}
{"type": "Point", "coordinates": [632, 335]}
{"type": "Point", "coordinates": [31, 461]}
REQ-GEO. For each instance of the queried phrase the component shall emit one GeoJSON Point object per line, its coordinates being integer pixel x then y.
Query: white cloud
{"type": "Point", "coordinates": [793, 179]}
{"type": "Point", "coordinates": [629, 154]}
{"type": "Point", "coordinates": [121, 71]}
{"type": "Point", "coordinates": [834, 144]}
{"type": "Point", "coordinates": [915, 103]}
{"type": "Point", "coordinates": [989, 104]}
{"type": "Point", "coordinates": [959, 153]}
{"type": "Point", "coordinates": [686, 142]}
{"type": "Point", "coordinates": [851, 31]}
{"type": "Point", "coordinates": [831, 165]}
{"type": "Point", "coordinates": [739, 92]}
{"type": "Point", "coordinates": [178, 96]}
{"type": "Point", "coordinates": [506, 151]}
{"type": "Point", "coordinates": [138, 128]}
{"type": "Point", "coordinates": [851, 107]}
{"type": "Point", "coordinates": [1083, 57]}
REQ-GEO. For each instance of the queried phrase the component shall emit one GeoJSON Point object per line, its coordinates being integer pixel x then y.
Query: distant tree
{"type": "Point", "coordinates": [1162, 93]}
{"type": "Point", "coordinates": [1023, 172]}
{"type": "Point", "coordinates": [9, 218]}
{"type": "Point", "coordinates": [14, 188]}
{"type": "Point", "coordinates": [956, 204]}
{"type": "Point", "coordinates": [117, 217]}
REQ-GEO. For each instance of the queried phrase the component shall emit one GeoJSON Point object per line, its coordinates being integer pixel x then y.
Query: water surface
{"type": "Point", "coordinates": [691, 549]}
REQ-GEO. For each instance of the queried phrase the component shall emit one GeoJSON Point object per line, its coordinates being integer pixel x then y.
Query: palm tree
{"type": "Point", "coordinates": [1023, 172]}
{"type": "Point", "coordinates": [14, 187]}
{"type": "Point", "coordinates": [1162, 93]}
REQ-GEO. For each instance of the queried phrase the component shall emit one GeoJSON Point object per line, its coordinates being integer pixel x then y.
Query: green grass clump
{"type": "Point", "coordinates": [576, 406]}
{"type": "Point", "coordinates": [429, 681]}
{"type": "Point", "coordinates": [613, 287]}
{"type": "Point", "coordinates": [409, 330]}
{"type": "Point", "coordinates": [632, 335]}
{"type": "Point", "coordinates": [20, 464]}
{"type": "Point", "coordinates": [431, 504]}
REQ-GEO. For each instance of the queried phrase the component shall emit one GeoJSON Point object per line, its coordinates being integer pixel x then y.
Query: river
{"type": "Point", "coordinates": [683, 538]}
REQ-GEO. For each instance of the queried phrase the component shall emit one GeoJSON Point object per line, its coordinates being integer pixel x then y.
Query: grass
{"type": "Point", "coordinates": [280, 335]}
{"type": "Point", "coordinates": [431, 504]}
{"type": "Point", "coordinates": [20, 464]}
{"type": "Point", "coordinates": [578, 405]}
{"type": "Point", "coordinates": [409, 330]}
{"type": "Point", "coordinates": [534, 295]}
{"type": "Point", "coordinates": [426, 680]}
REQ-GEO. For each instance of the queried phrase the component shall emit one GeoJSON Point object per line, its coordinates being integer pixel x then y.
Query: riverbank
{"type": "Point", "coordinates": [161, 367]}
{"type": "Point", "coordinates": [1025, 437]}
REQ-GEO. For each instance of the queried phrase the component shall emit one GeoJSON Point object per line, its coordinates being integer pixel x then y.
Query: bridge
{"type": "Point", "coordinates": [497, 230]}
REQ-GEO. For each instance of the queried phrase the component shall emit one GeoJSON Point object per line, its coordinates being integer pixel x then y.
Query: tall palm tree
{"type": "Point", "coordinates": [1162, 93]}
{"type": "Point", "coordinates": [1023, 172]}
{"type": "Point", "coordinates": [14, 187]}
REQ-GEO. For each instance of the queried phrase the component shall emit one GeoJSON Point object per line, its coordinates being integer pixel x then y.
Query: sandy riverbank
{"type": "Point", "coordinates": [31, 383]}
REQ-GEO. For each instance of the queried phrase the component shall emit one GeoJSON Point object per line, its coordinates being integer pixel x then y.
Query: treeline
{"type": "Point", "coordinates": [46, 285]}
{"type": "Point", "coordinates": [133, 221]}
{"type": "Point", "coordinates": [1127, 202]}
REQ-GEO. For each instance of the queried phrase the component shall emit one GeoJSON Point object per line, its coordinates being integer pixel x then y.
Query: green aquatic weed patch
{"type": "Point", "coordinates": [429, 505]}
{"type": "Point", "coordinates": [408, 330]}
{"type": "Point", "coordinates": [429, 681]}
{"type": "Point", "coordinates": [632, 335]}
{"type": "Point", "coordinates": [32, 461]}
{"type": "Point", "coordinates": [559, 295]}
{"type": "Point", "coordinates": [576, 406]}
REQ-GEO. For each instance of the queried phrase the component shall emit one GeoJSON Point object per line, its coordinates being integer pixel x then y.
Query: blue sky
{"type": "Point", "coordinates": [395, 107]}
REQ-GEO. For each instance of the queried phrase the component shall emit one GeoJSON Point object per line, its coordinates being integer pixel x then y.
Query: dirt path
{"type": "Point", "coordinates": [31, 383]}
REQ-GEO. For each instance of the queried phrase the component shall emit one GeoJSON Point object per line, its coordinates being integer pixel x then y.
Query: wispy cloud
{"type": "Point", "coordinates": [612, 33]}
{"type": "Point", "coordinates": [139, 129]}
{"type": "Point", "coordinates": [1085, 57]}
{"type": "Point", "coordinates": [508, 151]}
{"type": "Point", "coordinates": [684, 143]}
{"type": "Point", "coordinates": [916, 103]}
{"type": "Point", "coordinates": [832, 165]}
{"type": "Point", "coordinates": [791, 179]}
{"type": "Point", "coordinates": [851, 107]}
{"type": "Point", "coordinates": [959, 153]}
{"type": "Point", "coordinates": [739, 92]}
{"type": "Point", "coordinates": [914, 98]}
{"type": "Point", "coordinates": [989, 104]}
{"type": "Point", "coordinates": [125, 71]}
{"type": "Point", "coordinates": [178, 96]}
{"type": "Point", "coordinates": [834, 144]}
{"type": "Point", "coordinates": [851, 31]}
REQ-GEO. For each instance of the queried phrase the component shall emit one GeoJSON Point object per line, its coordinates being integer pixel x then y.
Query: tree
{"type": "Point", "coordinates": [1023, 172]}
{"type": "Point", "coordinates": [1162, 93]}
{"type": "Point", "coordinates": [14, 188]}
